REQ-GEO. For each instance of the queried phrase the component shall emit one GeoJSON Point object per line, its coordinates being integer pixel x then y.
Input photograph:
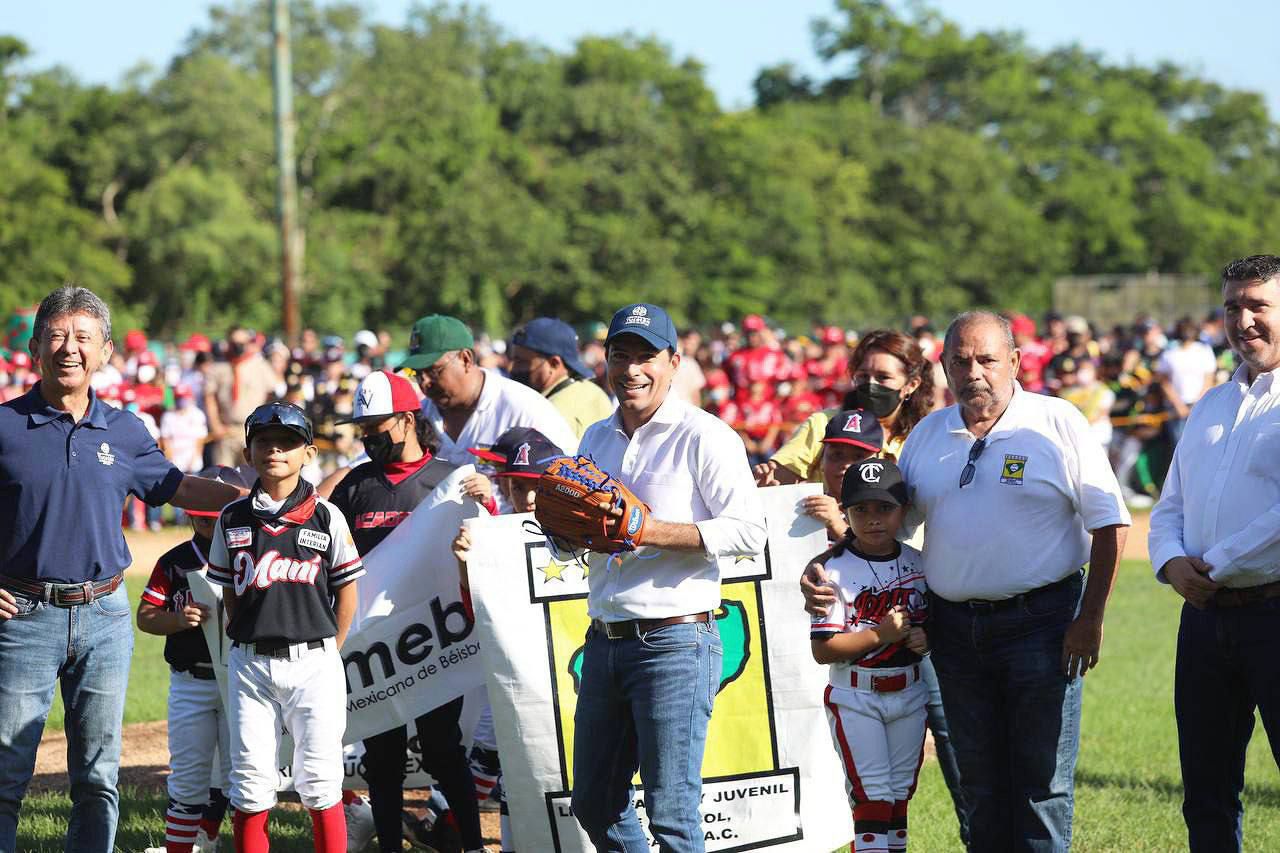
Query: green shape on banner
{"type": "Point", "coordinates": [735, 637]}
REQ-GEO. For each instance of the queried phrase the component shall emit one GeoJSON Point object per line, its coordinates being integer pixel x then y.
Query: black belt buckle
{"type": "Point", "coordinates": [619, 630]}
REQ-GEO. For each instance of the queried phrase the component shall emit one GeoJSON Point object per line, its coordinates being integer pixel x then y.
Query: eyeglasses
{"type": "Point", "coordinates": [436, 370]}
{"type": "Point", "coordinates": [971, 467]}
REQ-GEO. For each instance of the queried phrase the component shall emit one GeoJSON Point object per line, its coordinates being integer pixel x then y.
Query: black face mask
{"type": "Point", "coordinates": [382, 450]}
{"type": "Point", "coordinates": [879, 400]}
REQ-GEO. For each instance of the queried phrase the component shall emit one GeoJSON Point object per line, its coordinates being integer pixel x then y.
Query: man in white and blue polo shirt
{"type": "Point", "coordinates": [67, 463]}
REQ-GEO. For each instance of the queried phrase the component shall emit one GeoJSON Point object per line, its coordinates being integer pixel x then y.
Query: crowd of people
{"type": "Point", "coordinates": [973, 549]}
{"type": "Point", "coordinates": [1135, 383]}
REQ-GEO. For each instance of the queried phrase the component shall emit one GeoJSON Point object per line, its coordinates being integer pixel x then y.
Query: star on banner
{"type": "Point", "coordinates": [554, 571]}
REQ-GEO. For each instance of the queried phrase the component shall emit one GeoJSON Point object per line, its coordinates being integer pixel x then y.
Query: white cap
{"type": "Point", "coordinates": [381, 394]}
{"type": "Point", "coordinates": [364, 337]}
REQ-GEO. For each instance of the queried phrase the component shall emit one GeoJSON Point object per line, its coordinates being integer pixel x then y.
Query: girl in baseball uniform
{"type": "Point", "coordinates": [289, 565]}
{"type": "Point", "coordinates": [197, 720]}
{"type": "Point", "coordinates": [873, 641]}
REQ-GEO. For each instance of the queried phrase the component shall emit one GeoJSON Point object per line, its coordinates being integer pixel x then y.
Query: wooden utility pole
{"type": "Point", "coordinates": [287, 180]}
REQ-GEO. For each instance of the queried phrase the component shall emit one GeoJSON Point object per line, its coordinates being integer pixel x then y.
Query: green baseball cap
{"type": "Point", "coordinates": [432, 337]}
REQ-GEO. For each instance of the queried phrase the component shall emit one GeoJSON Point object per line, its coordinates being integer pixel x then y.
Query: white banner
{"type": "Point", "coordinates": [411, 647]}
{"type": "Point", "coordinates": [771, 778]}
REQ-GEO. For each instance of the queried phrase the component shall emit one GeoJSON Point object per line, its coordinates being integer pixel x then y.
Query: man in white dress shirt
{"type": "Point", "coordinates": [652, 660]}
{"type": "Point", "coordinates": [1215, 538]}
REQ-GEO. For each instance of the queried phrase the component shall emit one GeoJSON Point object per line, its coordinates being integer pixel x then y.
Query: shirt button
{"type": "Point", "coordinates": [73, 453]}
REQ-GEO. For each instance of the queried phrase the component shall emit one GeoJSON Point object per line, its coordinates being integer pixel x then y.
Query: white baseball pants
{"type": "Point", "coordinates": [880, 740]}
{"type": "Point", "coordinates": [306, 695]}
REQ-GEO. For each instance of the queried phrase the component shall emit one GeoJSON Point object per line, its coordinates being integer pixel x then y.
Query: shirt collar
{"type": "Point", "coordinates": [670, 412]}
{"type": "Point", "coordinates": [41, 412]}
{"type": "Point", "coordinates": [1008, 421]}
{"type": "Point", "coordinates": [489, 391]}
{"type": "Point", "coordinates": [1241, 376]}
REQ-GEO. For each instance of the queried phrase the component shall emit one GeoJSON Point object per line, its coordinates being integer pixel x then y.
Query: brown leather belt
{"type": "Point", "coordinates": [1247, 595]}
{"type": "Point", "coordinates": [63, 594]}
{"type": "Point", "coordinates": [634, 628]}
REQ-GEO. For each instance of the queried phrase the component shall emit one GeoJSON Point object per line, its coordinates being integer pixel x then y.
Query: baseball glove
{"type": "Point", "coordinates": [577, 508]}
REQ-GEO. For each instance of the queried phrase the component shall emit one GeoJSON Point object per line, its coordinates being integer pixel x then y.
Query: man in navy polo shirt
{"type": "Point", "coordinates": [67, 463]}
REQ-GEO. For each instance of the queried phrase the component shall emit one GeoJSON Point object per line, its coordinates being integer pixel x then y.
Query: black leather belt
{"type": "Point", "coordinates": [633, 628]}
{"type": "Point", "coordinates": [202, 671]}
{"type": "Point", "coordinates": [63, 594]}
{"type": "Point", "coordinates": [1013, 601]}
{"type": "Point", "coordinates": [1228, 597]}
{"type": "Point", "coordinates": [276, 648]}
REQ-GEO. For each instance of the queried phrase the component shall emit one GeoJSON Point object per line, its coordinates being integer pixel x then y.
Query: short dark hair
{"type": "Point", "coordinates": [1252, 268]}
{"type": "Point", "coordinates": [976, 318]}
{"type": "Point", "coordinates": [71, 299]}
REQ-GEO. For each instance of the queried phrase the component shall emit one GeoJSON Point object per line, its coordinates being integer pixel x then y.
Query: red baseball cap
{"type": "Point", "coordinates": [134, 340]}
{"type": "Point", "coordinates": [197, 343]}
{"type": "Point", "coordinates": [381, 394]}
{"type": "Point", "coordinates": [833, 335]}
{"type": "Point", "coordinates": [752, 323]}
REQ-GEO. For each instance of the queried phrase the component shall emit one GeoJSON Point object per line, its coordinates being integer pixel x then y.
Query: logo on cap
{"type": "Point", "coordinates": [639, 311]}
{"type": "Point", "coordinates": [366, 398]}
{"type": "Point", "coordinates": [871, 472]}
{"type": "Point", "coordinates": [522, 455]}
{"type": "Point", "coordinates": [415, 340]}
{"type": "Point", "coordinates": [853, 423]}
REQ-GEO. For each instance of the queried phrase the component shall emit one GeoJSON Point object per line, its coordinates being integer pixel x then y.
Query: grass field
{"type": "Point", "coordinates": [1128, 788]}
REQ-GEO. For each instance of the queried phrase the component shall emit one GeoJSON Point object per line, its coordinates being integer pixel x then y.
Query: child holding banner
{"type": "Point", "coordinates": [873, 641]}
{"type": "Point", "coordinates": [197, 720]}
{"type": "Point", "coordinates": [521, 454]}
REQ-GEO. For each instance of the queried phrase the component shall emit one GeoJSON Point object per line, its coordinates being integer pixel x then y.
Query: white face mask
{"type": "Point", "coordinates": [146, 373]}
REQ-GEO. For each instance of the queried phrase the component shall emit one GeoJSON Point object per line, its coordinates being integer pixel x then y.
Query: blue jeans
{"type": "Point", "coordinates": [88, 648]}
{"type": "Point", "coordinates": [644, 703]}
{"type": "Point", "coordinates": [1228, 664]}
{"type": "Point", "coordinates": [1014, 716]}
{"type": "Point", "coordinates": [942, 746]}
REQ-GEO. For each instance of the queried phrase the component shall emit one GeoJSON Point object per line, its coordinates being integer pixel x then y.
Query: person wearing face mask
{"type": "Point", "coordinates": [544, 356]}
{"type": "Point", "coordinates": [375, 497]}
{"type": "Point", "coordinates": [891, 379]}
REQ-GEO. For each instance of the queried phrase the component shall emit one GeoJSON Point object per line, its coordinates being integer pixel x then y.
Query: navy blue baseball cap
{"type": "Point", "coordinates": [520, 452]}
{"type": "Point", "coordinates": [645, 321]}
{"type": "Point", "coordinates": [857, 427]}
{"type": "Point", "coordinates": [550, 336]}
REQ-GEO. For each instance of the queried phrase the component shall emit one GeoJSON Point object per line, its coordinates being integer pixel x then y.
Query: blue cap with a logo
{"type": "Point", "coordinates": [550, 336]}
{"type": "Point", "coordinates": [646, 321]}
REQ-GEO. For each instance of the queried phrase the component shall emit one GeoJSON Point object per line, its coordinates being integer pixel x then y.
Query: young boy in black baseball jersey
{"type": "Point", "coordinates": [288, 563]}
{"type": "Point", "coordinates": [873, 641]}
{"type": "Point", "coordinates": [375, 498]}
{"type": "Point", "coordinates": [521, 454]}
{"type": "Point", "coordinates": [197, 720]}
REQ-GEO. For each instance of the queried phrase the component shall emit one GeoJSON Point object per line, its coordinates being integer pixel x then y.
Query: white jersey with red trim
{"type": "Point", "coordinates": [867, 587]}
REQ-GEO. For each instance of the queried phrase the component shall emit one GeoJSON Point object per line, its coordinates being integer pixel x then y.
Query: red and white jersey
{"type": "Point", "coordinates": [759, 364]}
{"type": "Point", "coordinates": [756, 417]}
{"type": "Point", "coordinates": [867, 587]}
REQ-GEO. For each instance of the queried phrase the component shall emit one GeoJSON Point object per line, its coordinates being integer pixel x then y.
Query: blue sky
{"type": "Point", "coordinates": [1231, 41]}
